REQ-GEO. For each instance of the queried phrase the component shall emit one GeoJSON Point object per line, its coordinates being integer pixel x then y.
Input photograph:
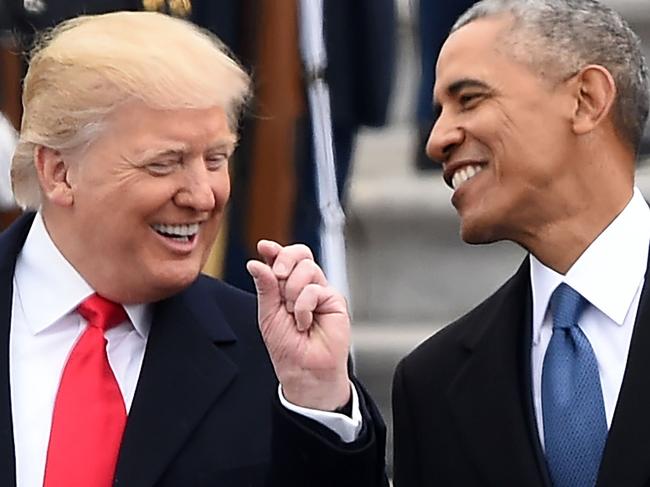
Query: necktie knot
{"type": "Point", "coordinates": [101, 312]}
{"type": "Point", "coordinates": [567, 305]}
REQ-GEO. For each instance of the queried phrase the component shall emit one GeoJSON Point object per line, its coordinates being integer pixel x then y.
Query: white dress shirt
{"type": "Point", "coordinates": [610, 276]}
{"type": "Point", "coordinates": [44, 328]}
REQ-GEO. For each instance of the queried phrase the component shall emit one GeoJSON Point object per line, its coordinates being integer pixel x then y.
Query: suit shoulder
{"type": "Point", "coordinates": [225, 293]}
{"type": "Point", "coordinates": [222, 287]}
{"type": "Point", "coordinates": [451, 342]}
{"type": "Point", "coordinates": [209, 297]}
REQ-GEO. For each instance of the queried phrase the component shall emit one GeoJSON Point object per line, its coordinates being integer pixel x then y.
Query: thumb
{"type": "Point", "coordinates": [266, 284]}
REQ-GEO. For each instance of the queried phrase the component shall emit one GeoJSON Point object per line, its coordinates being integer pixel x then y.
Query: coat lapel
{"type": "Point", "coordinates": [183, 374]}
{"type": "Point", "coordinates": [499, 430]}
{"type": "Point", "coordinates": [11, 241]}
{"type": "Point", "coordinates": [626, 460]}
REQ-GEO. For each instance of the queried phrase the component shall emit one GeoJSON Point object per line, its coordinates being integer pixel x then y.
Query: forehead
{"type": "Point", "coordinates": [136, 120]}
{"type": "Point", "coordinates": [474, 52]}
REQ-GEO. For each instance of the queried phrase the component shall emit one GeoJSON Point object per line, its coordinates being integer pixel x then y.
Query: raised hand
{"type": "Point", "coordinates": [305, 325]}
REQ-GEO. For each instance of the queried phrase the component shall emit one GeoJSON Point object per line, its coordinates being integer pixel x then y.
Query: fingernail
{"type": "Point", "coordinates": [251, 270]}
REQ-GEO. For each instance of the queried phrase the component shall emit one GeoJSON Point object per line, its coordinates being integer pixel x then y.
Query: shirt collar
{"type": "Point", "coordinates": [44, 276]}
{"type": "Point", "coordinates": [609, 271]}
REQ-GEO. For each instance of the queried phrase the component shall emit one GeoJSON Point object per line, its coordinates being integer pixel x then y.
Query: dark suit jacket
{"type": "Point", "coordinates": [463, 412]}
{"type": "Point", "coordinates": [205, 410]}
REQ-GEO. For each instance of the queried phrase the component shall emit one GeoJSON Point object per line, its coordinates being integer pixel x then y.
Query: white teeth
{"type": "Point", "coordinates": [455, 180]}
{"type": "Point", "coordinates": [182, 232]}
{"type": "Point", "coordinates": [463, 174]}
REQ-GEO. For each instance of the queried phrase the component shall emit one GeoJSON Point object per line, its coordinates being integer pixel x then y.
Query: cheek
{"type": "Point", "coordinates": [221, 189]}
{"type": "Point", "coordinates": [494, 131]}
{"type": "Point", "coordinates": [516, 154]}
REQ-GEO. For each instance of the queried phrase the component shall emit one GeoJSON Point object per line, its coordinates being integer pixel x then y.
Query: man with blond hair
{"type": "Point", "coordinates": [121, 364]}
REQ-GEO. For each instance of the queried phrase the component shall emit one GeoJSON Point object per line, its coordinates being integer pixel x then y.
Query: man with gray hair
{"type": "Point", "coordinates": [546, 383]}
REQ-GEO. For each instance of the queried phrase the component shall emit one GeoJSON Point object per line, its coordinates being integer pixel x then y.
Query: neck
{"type": "Point", "coordinates": [559, 244]}
{"type": "Point", "coordinates": [582, 202]}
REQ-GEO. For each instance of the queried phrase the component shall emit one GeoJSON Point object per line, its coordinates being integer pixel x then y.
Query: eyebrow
{"type": "Point", "coordinates": [150, 154]}
{"type": "Point", "coordinates": [226, 143]}
{"type": "Point", "coordinates": [456, 87]}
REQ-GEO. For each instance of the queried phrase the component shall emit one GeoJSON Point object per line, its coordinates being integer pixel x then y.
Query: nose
{"type": "Point", "coordinates": [445, 136]}
{"type": "Point", "coordinates": [196, 192]}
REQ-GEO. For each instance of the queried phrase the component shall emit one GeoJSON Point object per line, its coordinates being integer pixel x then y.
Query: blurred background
{"type": "Point", "coordinates": [409, 274]}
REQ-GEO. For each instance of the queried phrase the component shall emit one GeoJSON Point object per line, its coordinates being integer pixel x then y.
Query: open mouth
{"type": "Point", "coordinates": [183, 233]}
{"type": "Point", "coordinates": [464, 174]}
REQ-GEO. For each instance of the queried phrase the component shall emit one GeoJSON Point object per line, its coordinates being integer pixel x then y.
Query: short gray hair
{"type": "Point", "coordinates": [563, 36]}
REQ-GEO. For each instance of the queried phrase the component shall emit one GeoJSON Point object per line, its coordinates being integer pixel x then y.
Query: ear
{"type": "Point", "coordinates": [52, 170]}
{"type": "Point", "coordinates": [595, 94]}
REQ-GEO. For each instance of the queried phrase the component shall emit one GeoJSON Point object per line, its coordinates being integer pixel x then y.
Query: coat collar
{"type": "Point", "coordinates": [11, 241]}
{"type": "Point", "coordinates": [183, 374]}
{"type": "Point", "coordinates": [505, 415]}
{"type": "Point", "coordinates": [499, 431]}
{"type": "Point", "coordinates": [626, 460]}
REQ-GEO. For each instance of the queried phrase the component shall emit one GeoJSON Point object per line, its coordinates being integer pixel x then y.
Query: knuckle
{"type": "Point", "coordinates": [302, 250]}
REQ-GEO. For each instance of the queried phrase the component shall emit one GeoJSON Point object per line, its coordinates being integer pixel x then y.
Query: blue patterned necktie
{"type": "Point", "coordinates": [575, 428]}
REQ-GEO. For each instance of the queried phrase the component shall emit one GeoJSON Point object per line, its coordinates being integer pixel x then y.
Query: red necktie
{"type": "Point", "coordinates": [89, 413]}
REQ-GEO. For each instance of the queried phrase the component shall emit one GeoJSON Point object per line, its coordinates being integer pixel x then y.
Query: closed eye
{"type": "Point", "coordinates": [470, 100]}
{"type": "Point", "coordinates": [215, 162]}
{"type": "Point", "coordinates": [162, 168]}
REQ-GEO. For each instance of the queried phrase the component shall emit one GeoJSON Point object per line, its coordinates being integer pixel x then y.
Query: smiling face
{"type": "Point", "coordinates": [504, 136]}
{"type": "Point", "coordinates": [147, 198]}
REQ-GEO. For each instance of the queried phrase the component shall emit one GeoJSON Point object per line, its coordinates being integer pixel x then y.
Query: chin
{"type": "Point", "coordinates": [181, 280]}
{"type": "Point", "coordinates": [474, 233]}
{"type": "Point", "coordinates": [175, 278]}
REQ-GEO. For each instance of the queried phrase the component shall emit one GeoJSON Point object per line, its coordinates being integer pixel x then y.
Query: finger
{"type": "Point", "coordinates": [304, 273]}
{"type": "Point", "coordinates": [317, 300]}
{"type": "Point", "coordinates": [281, 286]}
{"type": "Point", "coordinates": [288, 257]}
{"type": "Point", "coordinates": [268, 250]}
{"type": "Point", "coordinates": [305, 305]}
{"type": "Point", "coordinates": [266, 284]}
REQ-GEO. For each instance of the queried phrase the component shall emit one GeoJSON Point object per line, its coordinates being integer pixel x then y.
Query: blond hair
{"type": "Point", "coordinates": [86, 67]}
